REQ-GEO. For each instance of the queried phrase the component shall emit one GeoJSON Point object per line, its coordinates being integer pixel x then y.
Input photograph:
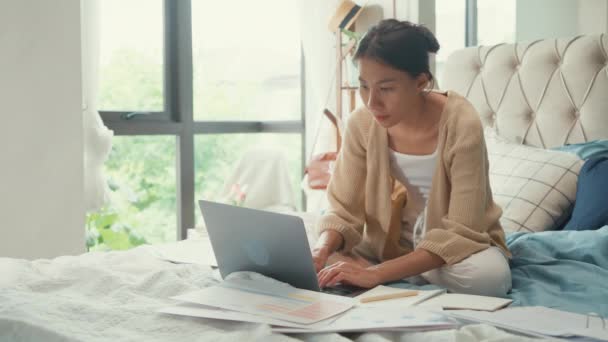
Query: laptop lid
{"type": "Point", "coordinates": [268, 243]}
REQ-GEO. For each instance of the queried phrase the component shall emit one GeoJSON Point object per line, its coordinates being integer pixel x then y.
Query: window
{"type": "Point", "coordinates": [217, 153]}
{"type": "Point", "coordinates": [495, 29]}
{"type": "Point", "coordinates": [142, 180]}
{"type": "Point", "coordinates": [186, 86]}
{"type": "Point", "coordinates": [461, 23]}
{"type": "Point", "coordinates": [247, 67]}
{"type": "Point", "coordinates": [131, 55]}
{"type": "Point", "coordinates": [450, 31]}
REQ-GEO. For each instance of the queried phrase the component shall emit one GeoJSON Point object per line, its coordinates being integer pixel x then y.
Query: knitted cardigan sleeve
{"type": "Point", "coordinates": [345, 192]}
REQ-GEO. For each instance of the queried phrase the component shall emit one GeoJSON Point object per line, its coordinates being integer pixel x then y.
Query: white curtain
{"type": "Point", "coordinates": [320, 60]}
{"type": "Point", "coordinates": [319, 56]}
{"type": "Point", "coordinates": [97, 137]}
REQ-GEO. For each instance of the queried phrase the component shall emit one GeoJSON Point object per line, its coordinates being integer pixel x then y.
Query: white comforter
{"type": "Point", "coordinates": [114, 297]}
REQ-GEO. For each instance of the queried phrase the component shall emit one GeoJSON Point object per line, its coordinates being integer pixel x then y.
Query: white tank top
{"type": "Point", "coordinates": [416, 173]}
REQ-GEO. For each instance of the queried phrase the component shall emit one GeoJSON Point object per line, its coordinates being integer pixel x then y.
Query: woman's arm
{"type": "Point", "coordinates": [329, 242]}
{"type": "Point", "coordinates": [417, 262]}
{"type": "Point", "coordinates": [411, 264]}
{"type": "Point", "coordinates": [346, 190]}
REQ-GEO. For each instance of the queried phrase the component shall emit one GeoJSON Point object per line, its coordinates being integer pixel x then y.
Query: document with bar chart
{"type": "Point", "coordinates": [269, 298]}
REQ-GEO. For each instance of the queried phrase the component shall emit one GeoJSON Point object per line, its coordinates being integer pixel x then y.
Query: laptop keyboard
{"type": "Point", "coordinates": [344, 290]}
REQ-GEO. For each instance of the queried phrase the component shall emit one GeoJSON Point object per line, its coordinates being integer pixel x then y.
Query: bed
{"type": "Point", "coordinates": [544, 94]}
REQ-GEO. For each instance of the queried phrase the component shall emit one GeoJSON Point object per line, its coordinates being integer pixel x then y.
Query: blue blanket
{"type": "Point", "coordinates": [565, 270]}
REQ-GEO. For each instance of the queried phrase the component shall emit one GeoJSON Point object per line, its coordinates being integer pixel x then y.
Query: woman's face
{"type": "Point", "coordinates": [387, 92]}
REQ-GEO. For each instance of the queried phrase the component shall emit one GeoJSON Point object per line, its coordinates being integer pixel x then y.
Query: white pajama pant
{"type": "Point", "coordinates": [485, 273]}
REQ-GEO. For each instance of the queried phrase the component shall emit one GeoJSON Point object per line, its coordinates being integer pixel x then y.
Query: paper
{"type": "Point", "coordinates": [449, 301]}
{"type": "Point", "coordinates": [357, 319]}
{"type": "Point", "coordinates": [203, 311]}
{"type": "Point", "coordinates": [380, 318]}
{"type": "Point", "coordinates": [197, 251]}
{"type": "Point", "coordinates": [539, 320]}
{"type": "Point", "coordinates": [401, 302]}
{"type": "Point", "coordinates": [262, 296]}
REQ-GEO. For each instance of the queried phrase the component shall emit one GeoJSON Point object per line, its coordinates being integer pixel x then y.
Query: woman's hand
{"type": "Point", "coordinates": [319, 257]}
{"type": "Point", "coordinates": [350, 274]}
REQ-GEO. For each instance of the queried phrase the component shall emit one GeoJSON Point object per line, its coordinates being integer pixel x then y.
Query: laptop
{"type": "Point", "coordinates": [268, 243]}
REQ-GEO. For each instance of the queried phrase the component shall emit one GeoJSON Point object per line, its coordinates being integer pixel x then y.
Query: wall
{"type": "Point", "coordinates": [592, 16]}
{"type": "Point", "coordinates": [538, 19]}
{"type": "Point", "coordinates": [41, 173]}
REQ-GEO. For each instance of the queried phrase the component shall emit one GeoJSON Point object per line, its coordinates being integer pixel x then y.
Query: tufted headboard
{"type": "Point", "coordinates": [544, 93]}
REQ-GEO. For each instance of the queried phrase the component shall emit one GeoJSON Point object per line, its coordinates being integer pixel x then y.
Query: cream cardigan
{"type": "Point", "coordinates": [366, 202]}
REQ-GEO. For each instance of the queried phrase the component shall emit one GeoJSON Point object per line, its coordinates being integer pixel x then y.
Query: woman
{"type": "Point", "coordinates": [410, 193]}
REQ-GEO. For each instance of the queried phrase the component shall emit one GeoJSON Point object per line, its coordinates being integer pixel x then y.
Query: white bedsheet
{"type": "Point", "coordinates": [113, 296]}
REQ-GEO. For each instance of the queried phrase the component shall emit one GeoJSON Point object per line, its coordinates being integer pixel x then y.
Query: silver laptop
{"type": "Point", "coordinates": [271, 244]}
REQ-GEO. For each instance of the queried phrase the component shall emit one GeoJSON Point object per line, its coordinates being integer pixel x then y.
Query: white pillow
{"type": "Point", "coordinates": [535, 187]}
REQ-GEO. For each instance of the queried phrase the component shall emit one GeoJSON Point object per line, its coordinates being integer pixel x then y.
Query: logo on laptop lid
{"type": "Point", "coordinates": [256, 252]}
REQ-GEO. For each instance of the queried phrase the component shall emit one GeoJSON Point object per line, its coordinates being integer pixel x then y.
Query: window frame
{"type": "Point", "coordinates": [470, 23]}
{"type": "Point", "coordinates": [177, 118]}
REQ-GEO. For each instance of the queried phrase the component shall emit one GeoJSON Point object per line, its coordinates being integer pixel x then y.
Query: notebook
{"type": "Point", "coordinates": [456, 301]}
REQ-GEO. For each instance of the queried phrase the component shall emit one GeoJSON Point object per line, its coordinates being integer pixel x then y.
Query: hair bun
{"type": "Point", "coordinates": [402, 45]}
{"type": "Point", "coordinates": [429, 37]}
{"type": "Point", "coordinates": [392, 25]}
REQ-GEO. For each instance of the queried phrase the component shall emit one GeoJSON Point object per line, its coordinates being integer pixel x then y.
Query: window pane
{"type": "Point", "coordinates": [246, 60]}
{"type": "Point", "coordinates": [131, 55]}
{"type": "Point", "coordinates": [217, 157]}
{"type": "Point", "coordinates": [451, 26]}
{"type": "Point", "coordinates": [495, 29]}
{"type": "Point", "coordinates": [142, 206]}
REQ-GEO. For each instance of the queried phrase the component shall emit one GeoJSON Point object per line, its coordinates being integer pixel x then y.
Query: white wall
{"type": "Point", "coordinates": [41, 172]}
{"type": "Point", "coordinates": [538, 19]}
{"type": "Point", "coordinates": [592, 16]}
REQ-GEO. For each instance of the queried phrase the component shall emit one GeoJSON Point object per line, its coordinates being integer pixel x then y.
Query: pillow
{"type": "Point", "coordinates": [588, 150]}
{"type": "Point", "coordinates": [590, 211]}
{"type": "Point", "coordinates": [535, 187]}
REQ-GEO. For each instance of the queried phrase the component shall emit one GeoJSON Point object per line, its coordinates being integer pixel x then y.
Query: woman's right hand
{"type": "Point", "coordinates": [320, 256]}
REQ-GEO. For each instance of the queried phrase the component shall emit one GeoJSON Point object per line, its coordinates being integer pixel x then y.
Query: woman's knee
{"type": "Point", "coordinates": [493, 281]}
{"type": "Point", "coordinates": [485, 273]}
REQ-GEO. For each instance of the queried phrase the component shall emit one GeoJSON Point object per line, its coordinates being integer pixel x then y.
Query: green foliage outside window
{"type": "Point", "coordinates": [133, 81]}
{"type": "Point", "coordinates": [142, 206]}
{"type": "Point", "coordinates": [141, 169]}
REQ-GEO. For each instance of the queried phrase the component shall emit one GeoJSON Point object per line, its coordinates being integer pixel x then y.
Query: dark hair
{"type": "Point", "coordinates": [400, 44]}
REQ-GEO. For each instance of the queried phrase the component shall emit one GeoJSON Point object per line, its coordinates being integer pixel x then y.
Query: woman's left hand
{"type": "Point", "coordinates": [350, 274]}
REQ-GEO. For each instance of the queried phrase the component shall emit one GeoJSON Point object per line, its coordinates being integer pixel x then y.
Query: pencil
{"type": "Point", "coordinates": [389, 296]}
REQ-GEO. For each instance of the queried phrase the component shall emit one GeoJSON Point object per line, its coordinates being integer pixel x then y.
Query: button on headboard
{"type": "Point", "coordinates": [545, 93]}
